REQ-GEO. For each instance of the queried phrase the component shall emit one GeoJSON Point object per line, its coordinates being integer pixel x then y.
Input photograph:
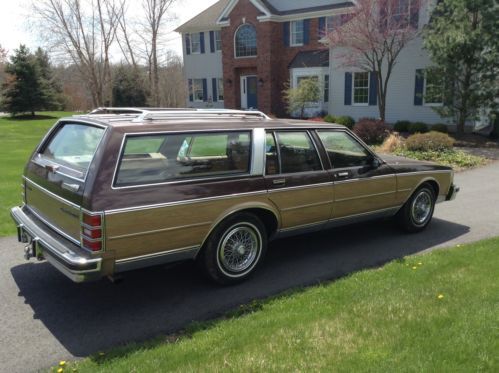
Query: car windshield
{"type": "Point", "coordinates": [73, 145]}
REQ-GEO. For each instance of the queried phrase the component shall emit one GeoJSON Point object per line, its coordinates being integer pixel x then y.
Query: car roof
{"type": "Point", "coordinates": [194, 120]}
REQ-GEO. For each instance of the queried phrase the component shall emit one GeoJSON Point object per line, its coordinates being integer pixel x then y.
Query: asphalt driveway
{"type": "Point", "coordinates": [45, 318]}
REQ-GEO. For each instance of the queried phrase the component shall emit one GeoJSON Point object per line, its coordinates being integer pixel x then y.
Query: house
{"type": "Point", "coordinates": [243, 53]}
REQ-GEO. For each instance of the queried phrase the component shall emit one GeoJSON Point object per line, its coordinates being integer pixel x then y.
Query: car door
{"type": "Point", "coordinates": [297, 182]}
{"type": "Point", "coordinates": [363, 184]}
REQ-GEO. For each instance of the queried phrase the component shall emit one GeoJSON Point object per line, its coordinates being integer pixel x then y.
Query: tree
{"type": "Point", "coordinates": [128, 88]}
{"type": "Point", "coordinates": [372, 36]}
{"type": "Point", "coordinates": [462, 39]}
{"type": "Point", "coordinates": [51, 87]}
{"type": "Point", "coordinates": [298, 98]}
{"type": "Point", "coordinates": [3, 61]}
{"type": "Point", "coordinates": [24, 90]}
{"type": "Point", "coordinates": [84, 32]}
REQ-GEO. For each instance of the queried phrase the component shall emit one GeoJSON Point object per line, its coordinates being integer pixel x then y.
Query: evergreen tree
{"type": "Point", "coordinates": [52, 90]}
{"type": "Point", "coordinates": [24, 90]}
{"type": "Point", "coordinates": [128, 88]}
{"type": "Point", "coordinates": [462, 38]}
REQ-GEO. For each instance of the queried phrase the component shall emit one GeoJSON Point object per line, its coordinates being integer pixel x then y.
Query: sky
{"type": "Point", "coordinates": [15, 29]}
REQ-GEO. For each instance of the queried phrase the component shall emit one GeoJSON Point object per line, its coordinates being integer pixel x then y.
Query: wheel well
{"type": "Point", "coordinates": [434, 185]}
{"type": "Point", "coordinates": [267, 217]}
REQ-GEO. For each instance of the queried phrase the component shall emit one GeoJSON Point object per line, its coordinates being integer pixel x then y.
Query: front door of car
{"type": "Point", "coordinates": [362, 183]}
{"type": "Point", "coordinates": [297, 182]}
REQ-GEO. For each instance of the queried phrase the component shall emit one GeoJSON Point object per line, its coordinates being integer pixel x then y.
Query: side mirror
{"type": "Point", "coordinates": [375, 162]}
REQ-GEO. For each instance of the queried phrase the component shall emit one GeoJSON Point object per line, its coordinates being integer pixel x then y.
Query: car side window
{"type": "Point", "coordinates": [343, 150]}
{"type": "Point", "coordinates": [297, 152]}
{"type": "Point", "coordinates": [271, 161]}
{"type": "Point", "coordinates": [168, 157]}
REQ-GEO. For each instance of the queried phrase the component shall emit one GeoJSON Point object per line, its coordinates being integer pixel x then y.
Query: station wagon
{"type": "Point", "coordinates": [108, 193]}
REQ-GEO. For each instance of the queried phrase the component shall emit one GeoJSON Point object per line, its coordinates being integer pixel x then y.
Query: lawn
{"type": "Point", "coordinates": [436, 312]}
{"type": "Point", "coordinates": [19, 138]}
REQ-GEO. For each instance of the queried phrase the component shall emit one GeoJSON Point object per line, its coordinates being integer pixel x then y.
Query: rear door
{"type": "Point", "coordinates": [55, 176]}
{"type": "Point", "coordinates": [297, 182]}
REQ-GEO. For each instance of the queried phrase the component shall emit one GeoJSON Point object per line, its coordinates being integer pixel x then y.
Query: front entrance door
{"type": "Point", "coordinates": [249, 85]}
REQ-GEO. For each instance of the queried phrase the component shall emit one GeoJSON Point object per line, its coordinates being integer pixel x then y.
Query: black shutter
{"type": "Point", "coordinates": [419, 87]}
{"type": "Point", "coordinates": [373, 88]}
{"type": "Point", "coordinates": [306, 31]}
{"type": "Point", "coordinates": [201, 39]}
{"type": "Point", "coordinates": [414, 16]}
{"type": "Point", "coordinates": [205, 90]}
{"type": "Point", "coordinates": [191, 94]}
{"type": "Point", "coordinates": [285, 33]}
{"type": "Point", "coordinates": [214, 88]}
{"type": "Point", "coordinates": [348, 88]}
{"type": "Point", "coordinates": [326, 88]}
{"type": "Point", "coordinates": [187, 44]}
{"type": "Point", "coordinates": [212, 41]}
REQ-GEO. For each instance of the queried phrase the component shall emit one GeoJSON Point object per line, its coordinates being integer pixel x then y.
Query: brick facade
{"type": "Point", "coordinates": [271, 65]}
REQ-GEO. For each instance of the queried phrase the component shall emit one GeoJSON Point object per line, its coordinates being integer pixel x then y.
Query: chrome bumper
{"type": "Point", "coordinates": [453, 190]}
{"type": "Point", "coordinates": [61, 253]}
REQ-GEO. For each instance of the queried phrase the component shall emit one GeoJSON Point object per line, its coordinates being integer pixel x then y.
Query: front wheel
{"type": "Point", "coordinates": [417, 212]}
{"type": "Point", "coordinates": [234, 249]}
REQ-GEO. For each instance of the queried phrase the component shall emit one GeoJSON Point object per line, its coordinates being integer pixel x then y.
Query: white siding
{"type": "Point", "coordinates": [203, 66]}
{"type": "Point", "coordinates": [400, 97]}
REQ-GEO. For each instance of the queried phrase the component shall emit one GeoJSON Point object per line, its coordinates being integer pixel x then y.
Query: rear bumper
{"type": "Point", "coordinates": [453, 190]}
{"type": "Point", "coordinates": [61, 253]}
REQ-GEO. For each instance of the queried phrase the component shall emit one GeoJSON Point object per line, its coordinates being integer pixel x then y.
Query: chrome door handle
{"type": "Point", "coordinates": [343, 174]}
{"type": "Point", "coordinates": [279, 181]}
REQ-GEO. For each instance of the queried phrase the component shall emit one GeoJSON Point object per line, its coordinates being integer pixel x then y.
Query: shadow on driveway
{"type": "Point", "coordinates": [86, 318]}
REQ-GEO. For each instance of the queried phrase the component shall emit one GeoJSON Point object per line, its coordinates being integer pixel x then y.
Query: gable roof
{"type": "Point", "coordinates": [288, 7]}
{"type": "Point", "coordinates": [206, 20]}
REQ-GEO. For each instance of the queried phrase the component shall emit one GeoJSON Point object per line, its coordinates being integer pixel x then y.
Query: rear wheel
{"type": "Point", "coordinates": [417, 212]}
{"type": "Point", "coordinates": [234, 249]}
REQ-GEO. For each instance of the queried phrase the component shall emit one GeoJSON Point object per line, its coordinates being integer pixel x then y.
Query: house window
{"type": "Point", "coordinates": [433, 88]}
{"type": "Point", "coordinates": [403, 14]}
{"type": "Point", "coordinates": [220, 89]}
{"type": "Point", "coordinates": [197, 90]}
{"type": "Point", "coordinates": [245, 41]}
{"type": "Point", "coordinates": [218, 40]}
{"type": "Point", "coordinates": [361, 88]}
{"type": "Point", "coordinates": [195, 43]}
{"type": "Point", "coordinates": [296, 34]}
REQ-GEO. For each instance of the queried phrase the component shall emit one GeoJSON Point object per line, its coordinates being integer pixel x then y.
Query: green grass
{"type": "Point", "coordinates": [457, 159]}
{"type": "Point", "coordinates": [389, 319]}
{"type": "Point", "coordinates": [19, 137]}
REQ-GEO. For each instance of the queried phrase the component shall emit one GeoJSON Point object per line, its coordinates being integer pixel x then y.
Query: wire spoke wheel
{"type": "Point", "coordinates": [239, 248]}
{"type": "Point", "coordinates": [421, 207]}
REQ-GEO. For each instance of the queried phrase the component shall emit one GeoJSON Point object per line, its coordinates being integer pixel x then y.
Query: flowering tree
{"type": "Point", "coordinates": [372, 36]}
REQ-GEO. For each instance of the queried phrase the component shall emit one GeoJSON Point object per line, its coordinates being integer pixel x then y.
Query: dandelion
{"type": "Point", "coordinates": [414, 267]}
{"type": "Point", "coordinates": [420, 264]}
{"type": "Point", "coordinates": [60, 370]}
{"type": "Point", "coordinates": [62, 363]}
{"type": "Point", "coordinates": [440, 296]}
{"type": "Point", "coordinates": [458, 245]}
{"type": "Point", "coordinates": [101, 353]}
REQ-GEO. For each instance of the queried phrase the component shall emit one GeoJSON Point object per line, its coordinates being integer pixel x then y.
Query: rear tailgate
{"type": "Point", "coordinates": [56, 174]}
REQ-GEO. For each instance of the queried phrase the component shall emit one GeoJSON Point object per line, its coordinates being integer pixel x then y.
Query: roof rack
{"type": "Point", "coordinates": [149, 114]}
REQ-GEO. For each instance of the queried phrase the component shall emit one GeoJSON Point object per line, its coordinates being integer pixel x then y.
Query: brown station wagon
{"type": "Point", "coordinates": [108, 193]}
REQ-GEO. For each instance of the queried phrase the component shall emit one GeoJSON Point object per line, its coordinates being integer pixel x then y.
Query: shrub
{"type": "Point", "coordinates": [402, 126]}
{"type": "Point", "coordinates": [372, 131]}
{"type": "Point", "coordinates": [393, 142]}
{"type": "Point", "coordinates": [440, 127]}
{"type": "Point", "coordinates": [330, 119]}
{"type": "Point", "coordinates": [418, 127]}
{"type": "Point", "coordinates": [345, 120]}
{"type": "Point", "coordinates": [431, 141]}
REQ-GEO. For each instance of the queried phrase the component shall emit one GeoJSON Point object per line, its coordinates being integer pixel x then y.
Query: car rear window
{"type": "Point", "coordinates": [168, 157]}
{"type": "Point", "coordinates": [73, 145]}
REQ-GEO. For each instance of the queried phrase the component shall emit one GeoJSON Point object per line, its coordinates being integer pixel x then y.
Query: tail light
{"type": "Point", "coordinates": [91, 231]}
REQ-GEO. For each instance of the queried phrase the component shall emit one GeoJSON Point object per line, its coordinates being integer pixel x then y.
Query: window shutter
{"type": "Point", "coordinates": [306, 31]}
{"type": "Point", "coordinates": [414, 16]}
{"type": "Point", "coordinates": [205, 90]}
{"type": "Point", "coordinates": [212, 41]}
{"type": "Point", "coordinates": [322, 28]}
{"type": "Point", "coordinates": [373, 88]}
{"type": "Point", "coordinates": [201, 39]}
{"type": "Point", "coordinates": [214, 88]}
{"type": "Point", "coordinates": [187, 44]}
{"type": "Point", "coordinates": [326, 88]}
{"type": "Point", "coordinates": [348, 88]}
{"type": "Point", "coordinates": [418, 88]}
{"type": "Point", "coordinates": [191, 94]}
{"type": "Point", "coordinates": [285, 33]}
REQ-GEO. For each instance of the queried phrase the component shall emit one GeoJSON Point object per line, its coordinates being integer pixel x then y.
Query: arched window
{"type": "Point", "coordinates": [245, 41]}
